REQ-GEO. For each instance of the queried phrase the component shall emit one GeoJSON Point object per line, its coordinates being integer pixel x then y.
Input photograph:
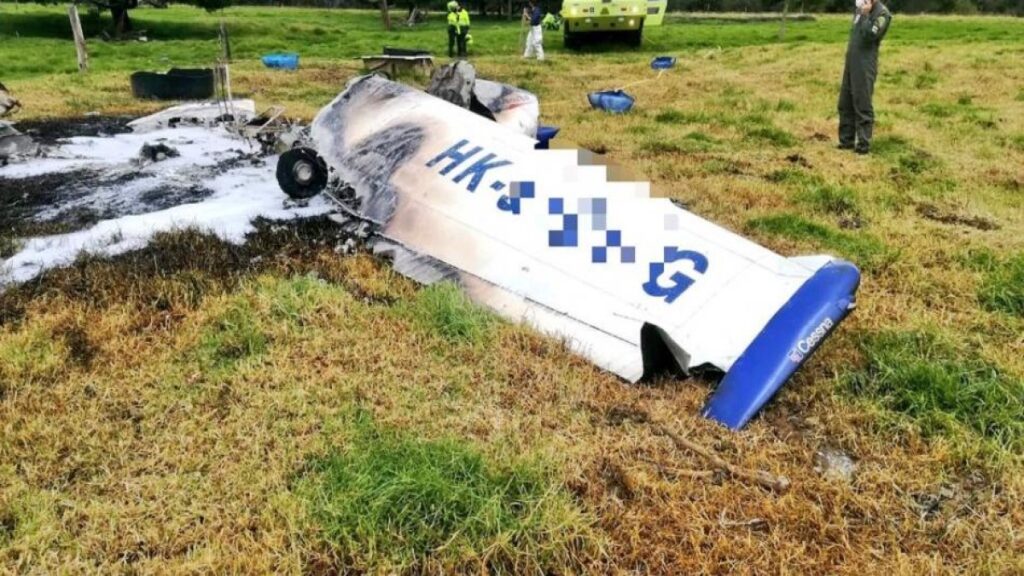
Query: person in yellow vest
{"type": "Point", "coordinates": [463, 31]}
{"type": "Point", "coordinates": [453, 27]}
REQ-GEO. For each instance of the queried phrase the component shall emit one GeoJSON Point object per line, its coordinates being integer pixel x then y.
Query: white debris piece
{"type": "Point", "coordinates": [207, 114]}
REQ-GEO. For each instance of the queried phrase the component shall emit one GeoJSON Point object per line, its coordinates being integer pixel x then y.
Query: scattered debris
{"type": "Point", "coordinates": [7, 102]}
{"type": "Point", "coordinates": [619, 484]}
{"type": "Point", "coordinates": [272, 131]}
{"type": "Point", "coordinates": [757, 524]}
{"type": "Point", "coordinates": [157, 152]}
{"type": "Point", "coordinates": [834, 464]}
{"type": "Point", "coordinates": [799, 160]}
{"type": "Point", "coordinates": [766, 479]}
{"type": "Point", "coordinates": [206, 114]}
{"type": "Point", "coordinates": [175, 84]}
{"type": "Point", "coordinates": [395, 59]}
{"type": "Point", "coordinates": [453, 83]}
{"type": "Point", "coordinates": [851, 222]}
{"type": "Point", "coordinates": [618, 415]}
{"type": "Point", "coordinates": [930, 504]}
{"type": "Point", "coordinates": [614, 101]}
{"type": "Point", "coordinates": [507, 105]}
{"type": "Point", "coordinates": [511, 107]}
{"type": "Point", "coordinates": [14, 144]}
{"type": "Point", "coordinates": [933, 212]}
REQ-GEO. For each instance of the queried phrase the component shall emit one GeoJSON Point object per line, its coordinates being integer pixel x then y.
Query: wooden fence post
{"type": "Point", "coordinates": [225, 43]}
{"type": "Point", "coordinates": [76, 30]}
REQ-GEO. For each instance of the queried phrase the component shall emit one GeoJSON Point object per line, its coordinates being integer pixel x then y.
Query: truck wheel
{"type": "Point", "coordinates": [636, 37]}
{"type": "Point", "coordinates": [571, 41]}
{"type": "Point", "coordinates": [301, 173]}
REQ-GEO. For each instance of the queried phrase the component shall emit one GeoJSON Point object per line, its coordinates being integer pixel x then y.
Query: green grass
{"type": "Point", "coordinates": [29, 358]}
{"type": "Point", "coordinates": [945, 390]}
{"type": "Point", "coordinates": [1017, 142]}
{"type": "Point", "coordinates": [1002, 286]}
{"type": "Point", "coordinates": [770, 135]}
{"type": "Point", "coordinates": [443, 309]}
{"type": "Point", "coordinates": [390, 501]}
{"type": "Point", "coordinates": [26, 520]}
{"type": "Point", "coordinates": [831, 199]}
{"type": "Point", "coordinates": [673, 116]}
{"type": "Point", "coordinates": [233, 336]}
{"type": "Point", "coordinates": [862, 249]}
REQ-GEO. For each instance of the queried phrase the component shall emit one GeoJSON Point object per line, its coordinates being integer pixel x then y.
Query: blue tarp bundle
{"type": "Point", "coordinates": [614, 101]}
{"type": "Point", "coordinates": [287, 61]}
{"type": "Point", "coordinates": [663, 62]}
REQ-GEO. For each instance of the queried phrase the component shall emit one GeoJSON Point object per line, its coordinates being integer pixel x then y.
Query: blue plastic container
{"type": "Point", "coordinates": [614, 101]}
{"type": "Point", "coordinates": [285, 61]}
{"type": "Point", "coordinates": [544, 136]}
{"type": "Point", "coordinates": [663, 62]}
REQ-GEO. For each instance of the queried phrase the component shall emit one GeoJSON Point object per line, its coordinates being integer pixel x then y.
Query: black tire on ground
{"type": "Point", "coordinates": [301, 173]}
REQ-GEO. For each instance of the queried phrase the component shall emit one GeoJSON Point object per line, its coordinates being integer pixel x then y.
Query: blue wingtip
{"type": "Point", "coordinates": [784, 344]}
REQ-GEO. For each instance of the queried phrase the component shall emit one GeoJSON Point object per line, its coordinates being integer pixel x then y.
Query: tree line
{"type": "Point", "coordinates": [1015, 7]}
{"type": "Point", "coordinates": [508, 8]}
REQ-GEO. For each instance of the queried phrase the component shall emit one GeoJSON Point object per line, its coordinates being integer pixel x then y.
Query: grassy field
{"type": "Point", "coordinates": [277, 407]}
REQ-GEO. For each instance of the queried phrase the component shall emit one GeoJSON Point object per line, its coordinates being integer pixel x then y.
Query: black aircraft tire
{"type": "Point", "coordinates": [301, 173]}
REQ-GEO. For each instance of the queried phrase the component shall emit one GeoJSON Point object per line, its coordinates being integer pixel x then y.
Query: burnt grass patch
{"type": "Point", "coordinates": [177, 270]}
{"type": "Point", "coordinates": [23, 199]}
{"type": "Point", "coordinates": [48, 131]}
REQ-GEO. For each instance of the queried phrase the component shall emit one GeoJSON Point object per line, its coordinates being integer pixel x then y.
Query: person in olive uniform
{"type": "Point", "coordinates": [856, 114]}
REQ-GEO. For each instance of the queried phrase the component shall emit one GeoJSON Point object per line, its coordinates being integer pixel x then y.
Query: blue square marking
{"type": "Point", "coordinates": [599, 254]}
{"type": "Point", "coordinates": [556, 206]}
{"type": "Point", "coordinates": [613, 238]}
{"type": "Point", "coordinates": [627, 255]}
{"type": "Point", "coordinates": [526, 190]}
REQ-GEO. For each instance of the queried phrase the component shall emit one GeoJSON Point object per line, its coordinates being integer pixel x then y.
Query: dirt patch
{"type": "Point", "coordinates": [932, 212]}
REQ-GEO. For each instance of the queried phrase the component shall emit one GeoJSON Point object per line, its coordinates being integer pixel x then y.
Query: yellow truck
{"type": "Point", "coordinates": [619, 17]}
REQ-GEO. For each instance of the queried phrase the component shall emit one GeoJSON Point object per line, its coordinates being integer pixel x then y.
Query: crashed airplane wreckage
{"type": "Point", "coordinates": [636, 284]}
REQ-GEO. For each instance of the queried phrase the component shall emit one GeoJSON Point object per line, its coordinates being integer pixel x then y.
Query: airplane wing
{"type": "Point", "coordinates": [636, 284]}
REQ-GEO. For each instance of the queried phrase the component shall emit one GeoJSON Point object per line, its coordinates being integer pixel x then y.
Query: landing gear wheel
{"type": "Point", "coordinates": [301, 173]}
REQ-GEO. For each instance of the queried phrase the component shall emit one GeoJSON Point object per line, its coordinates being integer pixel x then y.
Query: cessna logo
{"type": "Point", "coordinates": [806, 345]}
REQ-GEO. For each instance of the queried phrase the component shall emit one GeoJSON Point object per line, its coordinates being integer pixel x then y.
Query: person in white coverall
{"type": "Point", "coordinates": [535, 39]}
